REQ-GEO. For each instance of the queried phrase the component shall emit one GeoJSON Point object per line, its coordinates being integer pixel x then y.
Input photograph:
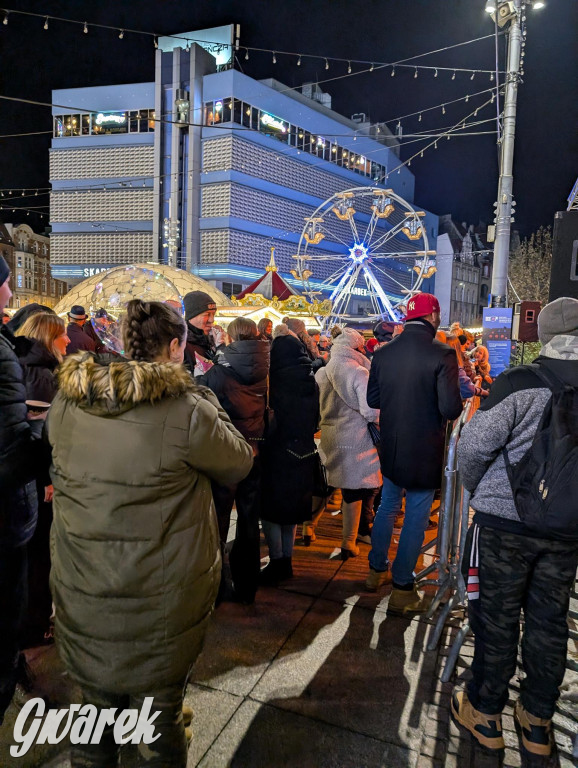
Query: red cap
{"type": "Point", "coordinates": [371, 344]}
{"type": "Point", "coordinates": [420, 305]}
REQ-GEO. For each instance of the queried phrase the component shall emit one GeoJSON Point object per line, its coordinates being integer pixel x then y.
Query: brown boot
{"type": "Point", "coordinates": [187, 715]}
{"type": "Point", "coordinates": [376, 579]}
{"type": "Point", "coordinates": [536, 732]}
{"type": "Point", "coordinates": [486, 729]}
{"type": "Point", "coordinates": [405, 601]}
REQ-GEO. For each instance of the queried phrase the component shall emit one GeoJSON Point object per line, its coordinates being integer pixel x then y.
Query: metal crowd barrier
{"type": "Point", "coordinates": [449, 545]}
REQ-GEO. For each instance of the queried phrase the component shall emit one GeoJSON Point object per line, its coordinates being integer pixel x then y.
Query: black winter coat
{"type": "Point", "coordinates": [79, 340]}
{"type": "Point", "coordinates": [201, 343]}
{"type": "Point", "coordinates": [38, 365]}
{"type": "Point", "coordinates": [289, 458]}
{"type": "Point", "coordinates": [239, 380]}
{"type": "Point", "coordinates": [414, 382]}
{"type": "Point", "coordinates": [23, 455]}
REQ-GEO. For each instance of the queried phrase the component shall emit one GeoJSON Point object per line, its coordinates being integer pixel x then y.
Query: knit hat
{"type": "Point", "coordinates": [295, 325]}
{"type": "Point", "coordinates": [77, 313]}
{"type": "Point", "coordinates": [197, 302]}
{"type": "Point", "coordinates": [4, 270]}
{"type": "Point", "coordinates": [559, 317]}
{"type": "Point", "coordinates": [349, 338]}
{"type": "Point", "coordinates": [383, 331]}
{"type": "Point", "coordinates": [371, 344]}
{"type": "Point", "coordinates": [420, 305]}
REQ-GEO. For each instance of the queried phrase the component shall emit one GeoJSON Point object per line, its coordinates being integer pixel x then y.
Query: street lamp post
{"type": "Point", "coordinates": [506, 12]}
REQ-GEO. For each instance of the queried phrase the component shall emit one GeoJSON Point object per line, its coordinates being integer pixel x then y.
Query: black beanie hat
{"type": "Point", "coordinates": [197, 302]}
{"type": "Point", "coordinates": [4, 270]}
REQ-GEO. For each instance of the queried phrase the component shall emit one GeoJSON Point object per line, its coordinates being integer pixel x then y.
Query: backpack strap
{"type": "Point", "coordinates": [552, 381]}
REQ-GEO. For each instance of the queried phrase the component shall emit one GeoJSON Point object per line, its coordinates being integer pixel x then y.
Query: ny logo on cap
{"type": "Point", "coordinates": [411, 306]}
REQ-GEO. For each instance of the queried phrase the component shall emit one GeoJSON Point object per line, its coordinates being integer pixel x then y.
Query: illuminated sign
{"type": "Point", "coordinates": [273, 122]}
{"type": "Point", "coordinates": [102, 119]}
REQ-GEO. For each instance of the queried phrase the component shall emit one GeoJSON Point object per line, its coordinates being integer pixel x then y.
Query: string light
{"type": "Point", "coordinates": [46, 23]}
{"type": "Point", "coordinates": [349, 68]}
{"type": "Point", "coordinates": [371, 68]}
{"type": "Point", "coordinates": [155, 42]}
{"type": "Point", "coordinates": [246, 54]}
{"type": "Point", "coordinates": [493, 98]}
{"type": "Point", "coordinates": [326, 64]}
{"type": "Point", "coordinates": [443, 109]}
{"type": "Point", "coordinates": [473, 75]}
{"type": "Point", "coordinates": [436, 73]}
{"type": "Point", "coordinates": [5, 19]}
{"type": "Point", "coordinates": [274, 58]}
{"type": "Point", "coordinates": [467, 98]}
{"type": "Point", "coordinates": [85, 28]}
{"type": "Point", "coordinates": [393, 71]}
{"type": "Point", "coordinates": [454, 75]}
{"type": "Point", "coordinates": [299, 61]}
{"type": "Point", "coordinates": [121, 34]}
{"type": "Point", "coordinates": [421, 153]}
{"type": "Point", "coordinates": [491, 77]}
{"type": "Point", "coordinates": [415, 73]}
{"type": "Point", "coordinates": [419, 118]}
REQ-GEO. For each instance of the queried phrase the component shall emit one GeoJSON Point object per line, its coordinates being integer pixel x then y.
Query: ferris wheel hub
{"type": "Point", "coordinates": [359, 253]}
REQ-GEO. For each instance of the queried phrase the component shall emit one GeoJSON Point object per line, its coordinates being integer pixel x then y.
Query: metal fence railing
{"type": "Point", "coordinates": [449, 545]}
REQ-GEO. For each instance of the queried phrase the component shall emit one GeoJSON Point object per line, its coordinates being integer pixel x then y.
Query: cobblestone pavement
{"type": "Point", "coordinates": [317, 675]}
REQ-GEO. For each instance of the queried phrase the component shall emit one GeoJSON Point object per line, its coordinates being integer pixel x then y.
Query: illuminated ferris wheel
{"type": "Point", "coordinates": [367, 244]}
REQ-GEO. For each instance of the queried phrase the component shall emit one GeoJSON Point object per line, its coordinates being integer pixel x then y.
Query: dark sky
{"type": "Point", "coordinates": [459, 178]}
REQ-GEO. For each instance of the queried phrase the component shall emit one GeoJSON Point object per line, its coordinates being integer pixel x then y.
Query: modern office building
{"type": "Point", "coordinates": [206, 169]}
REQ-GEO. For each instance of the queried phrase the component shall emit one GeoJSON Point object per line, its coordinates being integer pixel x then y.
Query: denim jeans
{"type": "Point", "coordinates": [280, 539]}
{"type": "Point", "coordinates": [417, 509]}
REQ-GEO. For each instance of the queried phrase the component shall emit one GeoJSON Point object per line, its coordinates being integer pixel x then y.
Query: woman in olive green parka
{"type": "Point", "coordinates": [135, 545]}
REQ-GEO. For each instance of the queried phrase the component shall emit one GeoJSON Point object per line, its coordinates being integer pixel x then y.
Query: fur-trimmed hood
{"type": "Point", "coordinates": [117, 386]}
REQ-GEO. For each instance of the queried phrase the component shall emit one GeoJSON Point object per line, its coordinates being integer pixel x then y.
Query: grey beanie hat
{"type": "Point", "coordinates": [559, 317]}
{"type": "Point", "coordinates": [295, 324]}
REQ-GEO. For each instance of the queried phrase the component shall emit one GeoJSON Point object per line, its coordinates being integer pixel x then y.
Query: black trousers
{"type": "Point", "coordinates": [518, 573]}
{"type": "Point", "coordinates": [169, 750]}
{"type": "Point", "coordinates": [367, 497]}
{"type": "Point", "coordinates": [244, 558]}
{"type": "Point", "coordinates": [13, 589]}
{"type": "Point", "coordinates": [39, 609]}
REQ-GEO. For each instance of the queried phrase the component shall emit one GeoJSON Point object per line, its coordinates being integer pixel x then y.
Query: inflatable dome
{"type": "Point", "coordinates": [183, 281]}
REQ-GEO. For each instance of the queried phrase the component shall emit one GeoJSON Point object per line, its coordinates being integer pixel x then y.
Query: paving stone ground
{"type": "Point", "coordinates": [316, 675]}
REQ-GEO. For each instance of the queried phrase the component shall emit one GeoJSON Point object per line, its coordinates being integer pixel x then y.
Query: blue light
{"type": "Point", "coordinates": [358, 253]}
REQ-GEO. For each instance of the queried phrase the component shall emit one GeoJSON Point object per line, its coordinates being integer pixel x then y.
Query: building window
{"type": "Point", "coordinates": [233, 111]}
{"type": "Point", "coordinates": [19, 281]}
{"type": "Point", "coordinates": [43, 285]}
{"type": "Point", "coordinates": [103, 123]}
{"type": "Point", "coordinates": [232, 289]}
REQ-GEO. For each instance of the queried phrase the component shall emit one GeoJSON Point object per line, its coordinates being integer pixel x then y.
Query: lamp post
{"type": "Point", "coordinates": [508, 12]}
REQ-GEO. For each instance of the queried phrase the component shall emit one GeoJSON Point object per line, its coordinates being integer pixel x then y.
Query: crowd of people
{"type": "Point", "coordinates": [121, 460]}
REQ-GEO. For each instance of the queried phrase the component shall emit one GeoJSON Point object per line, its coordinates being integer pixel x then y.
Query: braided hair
{"type": "Point", "coordinates": [148, 329]}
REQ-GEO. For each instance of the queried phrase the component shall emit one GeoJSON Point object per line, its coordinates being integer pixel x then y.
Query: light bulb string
{"type": "Point", "coordinates": [236, 46]}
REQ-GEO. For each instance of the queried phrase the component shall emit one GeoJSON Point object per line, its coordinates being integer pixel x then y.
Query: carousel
{"type": "Point", "coordinates": [271, 297]}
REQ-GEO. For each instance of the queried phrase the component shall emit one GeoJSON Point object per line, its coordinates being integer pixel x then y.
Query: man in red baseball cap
{"type": "Point", "coordinates": [414, 382]}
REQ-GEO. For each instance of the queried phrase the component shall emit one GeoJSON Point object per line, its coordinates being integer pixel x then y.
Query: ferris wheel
{"type": "Point", "coordinates": [367, 244]}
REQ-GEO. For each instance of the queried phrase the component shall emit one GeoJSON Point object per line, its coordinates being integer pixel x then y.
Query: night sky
{"type": "Point", "coordinates": [460, 177]}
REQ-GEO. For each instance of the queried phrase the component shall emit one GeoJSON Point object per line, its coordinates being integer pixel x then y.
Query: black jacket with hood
{"type": "Point", "coordinates": [239, 380]}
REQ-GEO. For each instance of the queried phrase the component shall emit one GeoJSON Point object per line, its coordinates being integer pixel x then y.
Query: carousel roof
{"type": "Point", "coordinates": [270, 284]}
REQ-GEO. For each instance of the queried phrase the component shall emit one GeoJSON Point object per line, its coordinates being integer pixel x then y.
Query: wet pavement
{"type": "Point", "coordinates": [315, 674]}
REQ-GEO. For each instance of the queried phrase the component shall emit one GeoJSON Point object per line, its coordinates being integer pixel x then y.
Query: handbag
{"type": "Point", "coordinates": [269, 417]}
{"type": "Point", "coordinates": [320, 485]}
{"type": "Point", "coordinates": [374, 433]}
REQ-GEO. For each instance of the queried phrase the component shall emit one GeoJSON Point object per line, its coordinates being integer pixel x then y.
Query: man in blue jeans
{"type": "Point", "coordinates": [414, 382]}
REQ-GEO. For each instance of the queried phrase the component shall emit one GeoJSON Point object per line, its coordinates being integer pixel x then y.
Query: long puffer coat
{"type": "Point", "coordinates": [350, 458]}
{"type": "Point", "coordinates": [39, 365]}
{"type": "Point", "coordinates": [135, 546]}
{"type": "Point", "coordinates": [289, 457]}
